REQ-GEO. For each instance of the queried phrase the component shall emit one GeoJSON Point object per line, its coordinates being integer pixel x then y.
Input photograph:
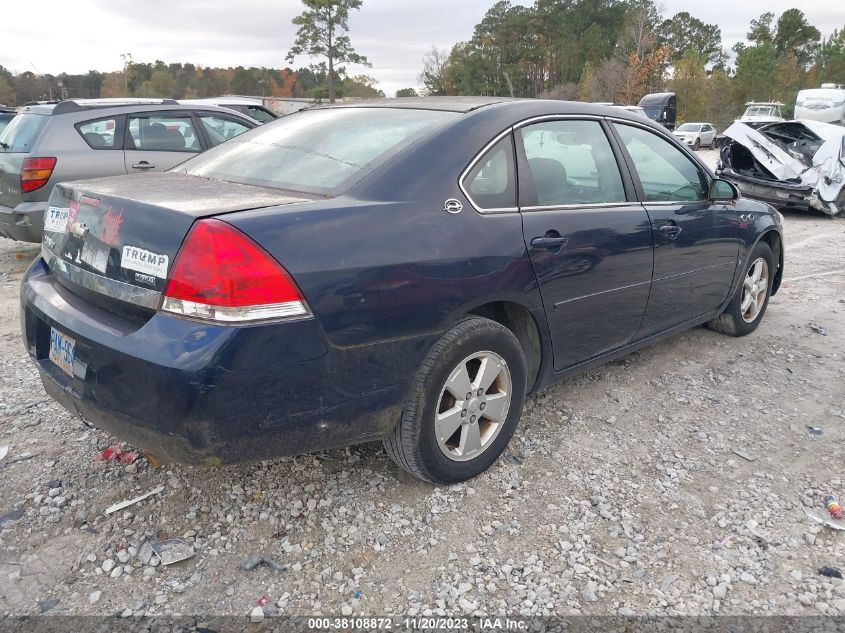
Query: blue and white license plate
{"type": "Point", "coordinates": [62, 351]}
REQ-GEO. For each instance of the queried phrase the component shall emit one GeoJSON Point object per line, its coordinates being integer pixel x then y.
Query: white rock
{"type": "Point", "coordinates": [94, 597]}
{"type": "Point", "coordinates": [108, 565]}
{"type": "Point", "coordinates": [256, 615]}
{"type": "Point", "coordinates": [346, 610]}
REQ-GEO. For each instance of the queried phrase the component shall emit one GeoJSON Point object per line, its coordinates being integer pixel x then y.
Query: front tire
{"type": "Point", "coordinates": [697, 145]}
{"type": "Point", "coordinates": [464, 404]}
{"type": "Point", "coordinates": [746, 309]}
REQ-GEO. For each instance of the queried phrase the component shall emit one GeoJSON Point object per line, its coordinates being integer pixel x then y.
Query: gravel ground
{"type": "Point", "coordinates": [619, 494]}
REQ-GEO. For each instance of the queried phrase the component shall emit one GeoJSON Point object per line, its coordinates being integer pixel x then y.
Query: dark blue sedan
{"type": "Point", "coordinates": [404, 271]}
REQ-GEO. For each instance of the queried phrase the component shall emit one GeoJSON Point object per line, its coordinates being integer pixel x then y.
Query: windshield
{"type": "Point", "coordinates": [653, 112]}
{"type": "Point", "coordinates": [761, 111]}
{"type": "Point", "coordinates": [21, 133]}
{"type": "Point", "coordinates": [316, 151]}
{"type": "Point", "coordinates": [5, 117]}
{"type": "Point", "coordinates": [689, 127]}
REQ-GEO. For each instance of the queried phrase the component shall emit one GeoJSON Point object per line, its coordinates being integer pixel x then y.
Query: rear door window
{"type": "Point", "coordinates": [22, 133]}
{"type": "Point", "coordinates": [491, 183]}
{"type": "Point", "coordinates": [666, 174]}
{"type": "Point", "coordinates": [163, 133]}
{"type": "Point", "coordinates": [219, 128]}
{"type": "Point", "coordinates": [571, 162]}
{"type": "Point", "coordinates": [259, 114]}
{"type": "Point", "coordinates": [102, 133]}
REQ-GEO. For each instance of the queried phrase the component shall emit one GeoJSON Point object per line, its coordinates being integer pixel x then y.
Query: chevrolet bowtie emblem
{"type": "Point", "coordinates": [78, 229]}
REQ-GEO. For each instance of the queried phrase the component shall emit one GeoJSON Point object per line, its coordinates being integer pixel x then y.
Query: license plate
{"type": "Point", "coordinates": [62, 351]}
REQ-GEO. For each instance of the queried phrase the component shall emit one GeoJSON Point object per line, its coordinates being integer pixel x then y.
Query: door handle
{"type": "Point", "coordinates": [552, 240]}
{"type": "Point", "coordinates": [670, 230]}
{"type": "Point", "coordinates": [143, 165]}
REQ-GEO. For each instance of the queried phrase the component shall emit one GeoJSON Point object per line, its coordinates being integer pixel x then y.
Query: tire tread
{"type": "Point", "coordinates": [401, 445]}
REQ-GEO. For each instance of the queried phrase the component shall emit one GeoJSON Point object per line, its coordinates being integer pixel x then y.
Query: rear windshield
{"type": "Point", "coordinates": [21, 133]}
{"type": "Point", "coordinates": [316, 151]}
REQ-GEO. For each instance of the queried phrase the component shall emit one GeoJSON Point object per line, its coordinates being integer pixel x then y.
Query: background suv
{"type": "Point", "coordinates": [696, 134]}
{"type": "Point", "coordinates": [45, 144]}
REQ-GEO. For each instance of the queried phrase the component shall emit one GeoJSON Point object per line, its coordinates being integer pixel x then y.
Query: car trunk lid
{"type": "Point", "coordinates": [113, 240]}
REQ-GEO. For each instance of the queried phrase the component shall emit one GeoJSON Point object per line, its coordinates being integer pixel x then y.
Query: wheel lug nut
{"type": "Point", "coordinates": [469, 395]}
{"type": "Point", "coordinates": [483, 406]}
{"type": "Point", "coordinates": [480, 392]}
{"type": "Point", "coordinates": [464, 413]}
{"type": "Point", "coordinates": [472, 419]}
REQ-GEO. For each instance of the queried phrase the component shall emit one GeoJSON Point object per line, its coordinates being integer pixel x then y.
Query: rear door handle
{"type": "Point", "coordinates": [143, 165]}
{"type": "Point", "coordinates": [551, 241]}
{"type": "Point", "coordinates": [670, 230]}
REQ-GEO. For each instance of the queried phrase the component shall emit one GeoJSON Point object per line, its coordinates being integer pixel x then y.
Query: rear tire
{"type": "Point", "coordinates": [445, 435]}
{"type": "Point", "coordinates": [746, 309]}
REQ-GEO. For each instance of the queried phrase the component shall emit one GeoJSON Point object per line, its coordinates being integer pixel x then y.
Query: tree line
{"type": "Point", "coordinates": [619, 50]}
{"type": "Point", "coordinates": [182, 81]}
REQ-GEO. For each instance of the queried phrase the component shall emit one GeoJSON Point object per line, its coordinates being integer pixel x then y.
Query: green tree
{"type": "Point", "coordinates": [323, 28]}
{"type": "Point", "coordinates": [830, 59]}
{"type": "Point", "coordinates": [7, 91]}
{"type": "Point", "coordinates": [755, 70]}
{"type": "Point", "coordinates": [406, 92]}
{"type": "Point", "coordinates": [160, 84]}
{"type": "Point", "coordinates": [683, 32]}
{"type": "Point", "coordinates": [432, 76]}
{"type": "Point", "coordinates": [795, 35]}
{"type": "Point", "coordinates": [761, 31]}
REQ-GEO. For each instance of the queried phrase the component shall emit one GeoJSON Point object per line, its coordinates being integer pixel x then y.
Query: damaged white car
{"type": "Point", "coordinates": [789, 164]}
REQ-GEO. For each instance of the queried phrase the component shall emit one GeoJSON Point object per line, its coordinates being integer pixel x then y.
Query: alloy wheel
{"type": "Point", "coordinates": [754, 289]}
{"type": "Point", "coordinates": [473, 406]}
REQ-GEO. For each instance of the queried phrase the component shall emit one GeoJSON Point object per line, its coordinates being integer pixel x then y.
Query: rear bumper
{"type": "Point", "coordinates": [196, 393]}
{"type": "Point", "coordinates": [24, 222]}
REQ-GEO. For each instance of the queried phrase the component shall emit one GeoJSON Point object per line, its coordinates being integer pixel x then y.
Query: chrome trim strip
{"type": "Point", "coordinates": [552, 117]}
{"type": "Point", "coordinates": [470, 167]}
{"type": "Point", "coordinates": [590, 205]}
{"type": "Point", "coordinates": [97, 283]}
{"type": "Point", "coordinates": [601, 292]}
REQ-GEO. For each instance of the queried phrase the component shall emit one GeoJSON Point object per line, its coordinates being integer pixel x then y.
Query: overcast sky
{"type": "Point", "coordinates": [55, 36]}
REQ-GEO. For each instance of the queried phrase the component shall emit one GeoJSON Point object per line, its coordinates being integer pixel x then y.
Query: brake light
{"type": "Point", "coordinates": [222, 275]}
{"type": "Point", "coordinates": [35, 172]}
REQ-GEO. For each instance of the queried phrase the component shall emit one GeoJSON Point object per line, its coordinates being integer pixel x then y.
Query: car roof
{"type": "Point", "coordinates": [233, 99]}
{"type": "Point", "coordinates": [119, 106]}
{"type": "Point", "coordinates": [521, 108]}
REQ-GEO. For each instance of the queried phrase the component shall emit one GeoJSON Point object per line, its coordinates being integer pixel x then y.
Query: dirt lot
{"type": "Point", "coordinates": [620, 492]}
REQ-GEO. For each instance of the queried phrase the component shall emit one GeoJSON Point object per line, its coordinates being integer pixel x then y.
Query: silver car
{"type": "Point", "coordinates": [696, 135]}
{"type": "Point", "coordinates": [46, 144]}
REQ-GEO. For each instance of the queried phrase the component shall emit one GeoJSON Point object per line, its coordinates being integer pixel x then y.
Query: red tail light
{"type": "Point", "coordinates": [222, 275]}
{"type": "Point", "coordinates": [35, 172]}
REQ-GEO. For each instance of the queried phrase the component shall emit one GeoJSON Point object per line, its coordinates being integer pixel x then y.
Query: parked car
{"type": "Point", "coordinates": [696, 135]}
{"type": "Point", "coordinates": [798, 165]}
{"type": "Point", "coordinates": [6, 115]}
{"type": "Point", "coordinates": [384, 271]}
{"type": "Point", "coordinates": [253, 108]}
{"type": "Point", "coordinates": [46, 144]}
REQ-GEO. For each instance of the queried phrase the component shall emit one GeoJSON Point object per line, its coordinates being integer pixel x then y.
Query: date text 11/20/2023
{"type": "Point", "coordinates": [416, 624]}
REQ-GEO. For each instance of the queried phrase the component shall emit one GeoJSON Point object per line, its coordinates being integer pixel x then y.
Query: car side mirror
{"type": "Point", "coordinates": [722, 190]}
